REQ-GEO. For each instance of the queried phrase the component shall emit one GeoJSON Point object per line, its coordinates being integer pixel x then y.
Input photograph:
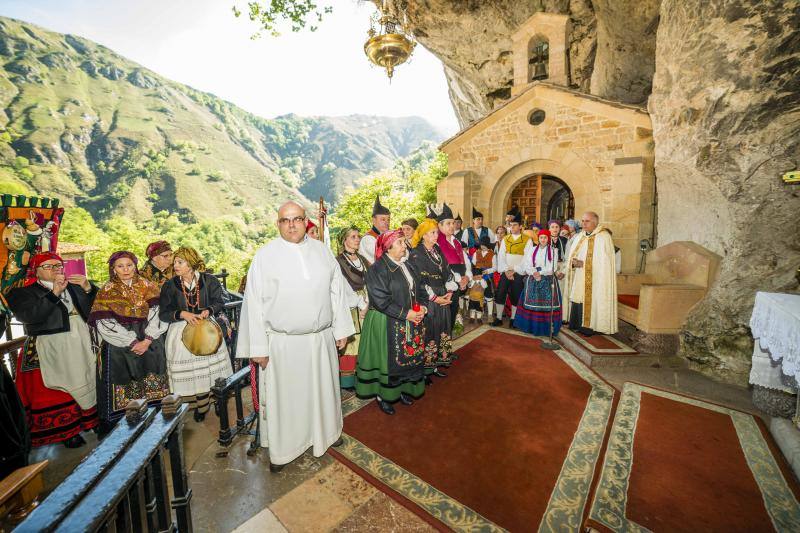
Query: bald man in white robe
{"type": "Point", "coordinates": [295, 314]}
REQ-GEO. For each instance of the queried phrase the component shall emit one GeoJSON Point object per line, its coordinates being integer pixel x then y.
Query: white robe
{"type": "Point", "coordinates": [603, 308]}
{"type": "Point", "coordinates": [295, 306]}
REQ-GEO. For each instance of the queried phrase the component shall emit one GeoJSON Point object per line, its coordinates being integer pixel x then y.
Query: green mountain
{"type": "Point", "coordinates": [81, 123]}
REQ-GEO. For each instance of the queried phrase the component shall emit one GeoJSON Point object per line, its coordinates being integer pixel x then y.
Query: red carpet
{"type": "Point", "coordinates": [674, 463]}
{"type": "Point", "coordinates": [486, 446]}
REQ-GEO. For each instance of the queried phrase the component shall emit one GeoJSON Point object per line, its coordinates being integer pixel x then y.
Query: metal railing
{"type": "Point", "coordinates": [123, 484]}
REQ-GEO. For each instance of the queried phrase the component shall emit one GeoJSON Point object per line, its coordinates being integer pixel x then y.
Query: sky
{"type": "Point", "coordinates": [200, 43]}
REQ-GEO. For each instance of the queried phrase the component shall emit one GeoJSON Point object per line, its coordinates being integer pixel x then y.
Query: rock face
{"type": "Point", "coordinates": [721, 77]}
{"type": "Point", "coordinates": [473, 40]}
{"type": "Point", "coordinates": [626, 44]}
{"type": "Point", "coordinates": [726, 116]}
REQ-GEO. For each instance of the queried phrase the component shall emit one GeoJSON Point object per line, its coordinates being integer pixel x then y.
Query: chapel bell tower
{"type": "Point", "coordinates": [540, 51]}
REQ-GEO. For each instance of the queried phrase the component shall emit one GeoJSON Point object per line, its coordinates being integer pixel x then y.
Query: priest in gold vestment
{"type": "Point", "coordinates": [591, 281]}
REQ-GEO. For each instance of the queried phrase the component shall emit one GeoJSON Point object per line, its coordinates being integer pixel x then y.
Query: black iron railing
{"type": "Point", "coordinates": [123, 484]}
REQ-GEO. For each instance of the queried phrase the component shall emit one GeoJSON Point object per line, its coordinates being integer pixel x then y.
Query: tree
{"type": "Point", "coordinates": [270, 14]}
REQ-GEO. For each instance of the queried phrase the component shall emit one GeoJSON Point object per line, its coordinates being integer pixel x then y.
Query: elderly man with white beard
{"type": "Point", "coordinates": [294, 317]}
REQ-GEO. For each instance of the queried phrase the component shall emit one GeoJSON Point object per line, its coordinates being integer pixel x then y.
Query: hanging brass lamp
{"type": "Point", "coordinates": [390, 46]}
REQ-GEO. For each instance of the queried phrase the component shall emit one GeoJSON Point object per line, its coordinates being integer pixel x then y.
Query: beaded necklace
{"type": "Point", "coordinates": [195, 292]}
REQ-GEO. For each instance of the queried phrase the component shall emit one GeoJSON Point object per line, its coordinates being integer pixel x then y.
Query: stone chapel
{"type": "Point", "coordinates": [556, 152]}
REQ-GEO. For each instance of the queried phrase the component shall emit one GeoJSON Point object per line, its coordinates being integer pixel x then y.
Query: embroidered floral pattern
{"type": "Point", "coordinates": [152, 387]}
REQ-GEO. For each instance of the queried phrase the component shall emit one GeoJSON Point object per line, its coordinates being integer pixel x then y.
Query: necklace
{"type": "Point", "coordinates": [360, 266]}
{"type": "Point", "coordinates": [194, 292]}
{"type": "Point", "coordinates": [434, 255]}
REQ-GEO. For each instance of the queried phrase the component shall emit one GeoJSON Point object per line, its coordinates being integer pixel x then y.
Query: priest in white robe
{"type": "Point", "coordinates": [591, 281]}
{"type": "Point", "coordinates": [294, 316]}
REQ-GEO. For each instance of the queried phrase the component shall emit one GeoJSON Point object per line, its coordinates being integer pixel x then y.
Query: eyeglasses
{"type": "Point", "coordinates": [295, 220]}
{"type": "Point", "coordinates": [52, 267]}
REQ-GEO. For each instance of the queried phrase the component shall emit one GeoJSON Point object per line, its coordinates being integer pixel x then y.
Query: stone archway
{"type": "Point", "coordinates": [577, 176]}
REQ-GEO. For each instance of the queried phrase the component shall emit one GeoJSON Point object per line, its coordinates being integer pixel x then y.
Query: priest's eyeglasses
{"type": "Point", "coordinates": [52, 267]}
{"type": "Point", "coordinates": [293, 220]}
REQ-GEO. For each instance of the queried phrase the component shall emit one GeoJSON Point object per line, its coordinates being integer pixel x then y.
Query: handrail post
{"type": "Point", "coordinates": [180, 484]}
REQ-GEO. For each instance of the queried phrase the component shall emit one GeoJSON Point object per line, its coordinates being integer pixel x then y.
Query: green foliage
{"type": "Point", "coordinates": [270, 14]}
{"type": "Point", "coordinates": [406, 195]}
{"type": "Point", "coordinates": [196, 171]}
{"type": "Point", "coordinates": [223, 244]}
{"type": "Point", "coordinates": [5, 137]}
{"type": "Point", "coordinates": [13, 187]}
{"type": "Point", "coordinates": [214, 175]}
{"type": "Point", "coordinates": [20, 162]}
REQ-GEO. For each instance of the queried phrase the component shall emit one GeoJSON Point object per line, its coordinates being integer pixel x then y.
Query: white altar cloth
{"type": "Point", "coordinates": [775, 324]}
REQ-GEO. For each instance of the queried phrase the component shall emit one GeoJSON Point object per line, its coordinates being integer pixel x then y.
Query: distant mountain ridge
{"type": "Point", "coordinates": [82, 123]}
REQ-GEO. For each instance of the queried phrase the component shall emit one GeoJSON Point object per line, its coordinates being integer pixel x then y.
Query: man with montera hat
{"type": "Point", "coordinates": [514, 247]}
{"type": "Point", "coordinates": [458, 232]}
{"type": "Point", "coordinates": [473, 235]}
{"type": "Point", "coordinates": [454, 254]}
{"type": "Point", "coordinates": [380, 224]}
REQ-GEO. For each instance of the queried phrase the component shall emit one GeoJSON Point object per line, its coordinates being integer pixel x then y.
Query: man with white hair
{"type": "Point", "coordinates": [295, 315]}
{"type": "Point", "coordinates": [591, 281]}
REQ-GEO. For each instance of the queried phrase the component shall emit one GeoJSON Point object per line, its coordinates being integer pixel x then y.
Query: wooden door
{"type": "Point", "coordinates": [527, 195]}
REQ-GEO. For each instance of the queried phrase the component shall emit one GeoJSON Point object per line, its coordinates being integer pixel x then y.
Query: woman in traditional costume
{"type": "Point", "coordinates": [409, 226]}
{"type": "Point", "coordinates": [158, 267]}
{"type": "Point", "coordinates": [354, 268]}
{"type": "Point", "coordinates": [189, 298]}
{"type": "Point", "coordinates": [56, 368]}
{"type": "Point", "coordinates": [132, 360]}
{"type": "Point", "coordinates": [437, 286]}
{"type": "Point", "coordinates": [541, 298]}
{"type": "Point", "coordinates": [391, 352]}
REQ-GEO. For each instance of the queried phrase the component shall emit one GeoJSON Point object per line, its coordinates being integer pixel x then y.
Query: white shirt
{"type": "Point", "coordinates": [506, 261]}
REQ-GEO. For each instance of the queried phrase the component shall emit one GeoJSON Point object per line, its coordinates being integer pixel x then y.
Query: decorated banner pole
{"type": "Point", "coordinates": [551, 344]}
{"type": "Point", "coordinates": [324, 233]}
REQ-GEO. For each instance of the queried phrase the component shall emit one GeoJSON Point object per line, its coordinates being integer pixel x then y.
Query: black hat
{"type": "Point", "coordinates": [378, 209]}
{"type": "Point", "coordinates": [458, 217]}
{"type": "Point", "coordinates": [517, 216]}
{"type": "Point", "coordinates": [445, 213]}
{"type": "Point", "coordinates": [476, 213]}
{"type": "Point", "coordinates": [514, 211]}
{"type": "Point", "coordinates": [431, 211]}
{"type": "Point", "coordinates": [486, 241]}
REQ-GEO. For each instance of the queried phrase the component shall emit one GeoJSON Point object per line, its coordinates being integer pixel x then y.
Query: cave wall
{"type": "Point", "coordinates": [726, 117]}
{"type": "Point", "coordinates": [722, 81]}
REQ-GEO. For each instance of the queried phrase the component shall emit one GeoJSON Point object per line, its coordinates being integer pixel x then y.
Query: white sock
{"type": "Point", "coordinates": [513, 311]}
{"type": "Point", "coordinates": [499, 312]}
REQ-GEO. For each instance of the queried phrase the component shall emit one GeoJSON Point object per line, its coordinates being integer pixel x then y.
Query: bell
{"type": "Point", "coordinates": [540, 71]}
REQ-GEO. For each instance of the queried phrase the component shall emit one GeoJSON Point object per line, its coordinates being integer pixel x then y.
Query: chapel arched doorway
{"type": "Point", "coordinates": [542, 197]}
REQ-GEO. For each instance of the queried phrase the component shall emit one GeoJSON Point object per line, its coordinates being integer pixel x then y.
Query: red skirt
{"type": "Point", "coordinates": [53, 415]}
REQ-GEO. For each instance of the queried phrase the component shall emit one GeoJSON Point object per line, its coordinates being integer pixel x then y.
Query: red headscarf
{"type": "Point", "coordinates": [37, 260]}
{"type": "Point", "coordinates": [309, 224]}
{"type": "Point", "coordinates": [385, 241]}
{"type": "Point", "coordinates": [546, 233]}
{"type": "Point", "coordinates": [157, 248]}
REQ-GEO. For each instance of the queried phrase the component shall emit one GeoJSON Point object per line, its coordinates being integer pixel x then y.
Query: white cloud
{"type": "Point", "coordinates": [200, 43]}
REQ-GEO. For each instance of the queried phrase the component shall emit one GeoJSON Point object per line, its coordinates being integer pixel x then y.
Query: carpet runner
{"type": "Point", "coordinates": [675, 463]}
{"type": "Point", "coordinates": [599, 344]}
{"type": "Point", "coordinates": [511, 439]}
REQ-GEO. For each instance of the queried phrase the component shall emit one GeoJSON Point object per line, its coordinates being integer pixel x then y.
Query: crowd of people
{"type": "Point", "coordinates": [90, 350]}
{"type": "Point", "coordinates": [378, 318]}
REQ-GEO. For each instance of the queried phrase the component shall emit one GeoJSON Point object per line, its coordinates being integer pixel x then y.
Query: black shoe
{"type": "Point", "coordinates": [497, 322]}
{"type": "Point", "coordinates": [338, 442]}
{"type": "Point", "coordinates": [386, 407]}
{"type": "Point", "coordinates": [454, 356]}
{"type": "Point", "coordinates": [74, 442]}
{"type": "Point", "coordinates": [511, 325]}
{"type": "Point", "coordinates": [428, 380]}
{"type": "Point", "coordinates": [275, 468]}
{"type": "Point", "coordinates": [439, 374]}
{"type": "Point", "coordinates": [405, 399]}
{"type": "Point", "coordinates": [198, 416]}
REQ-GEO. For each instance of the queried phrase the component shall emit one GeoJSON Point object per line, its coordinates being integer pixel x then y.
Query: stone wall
{"type": "Point", "coordinates": [601, 151]}
{"type": "Point", "coordinates": [726, 117]}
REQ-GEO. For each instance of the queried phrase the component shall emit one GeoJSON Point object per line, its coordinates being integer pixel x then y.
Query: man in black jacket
{"type": "Point", "coordinates": [56, 370]}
